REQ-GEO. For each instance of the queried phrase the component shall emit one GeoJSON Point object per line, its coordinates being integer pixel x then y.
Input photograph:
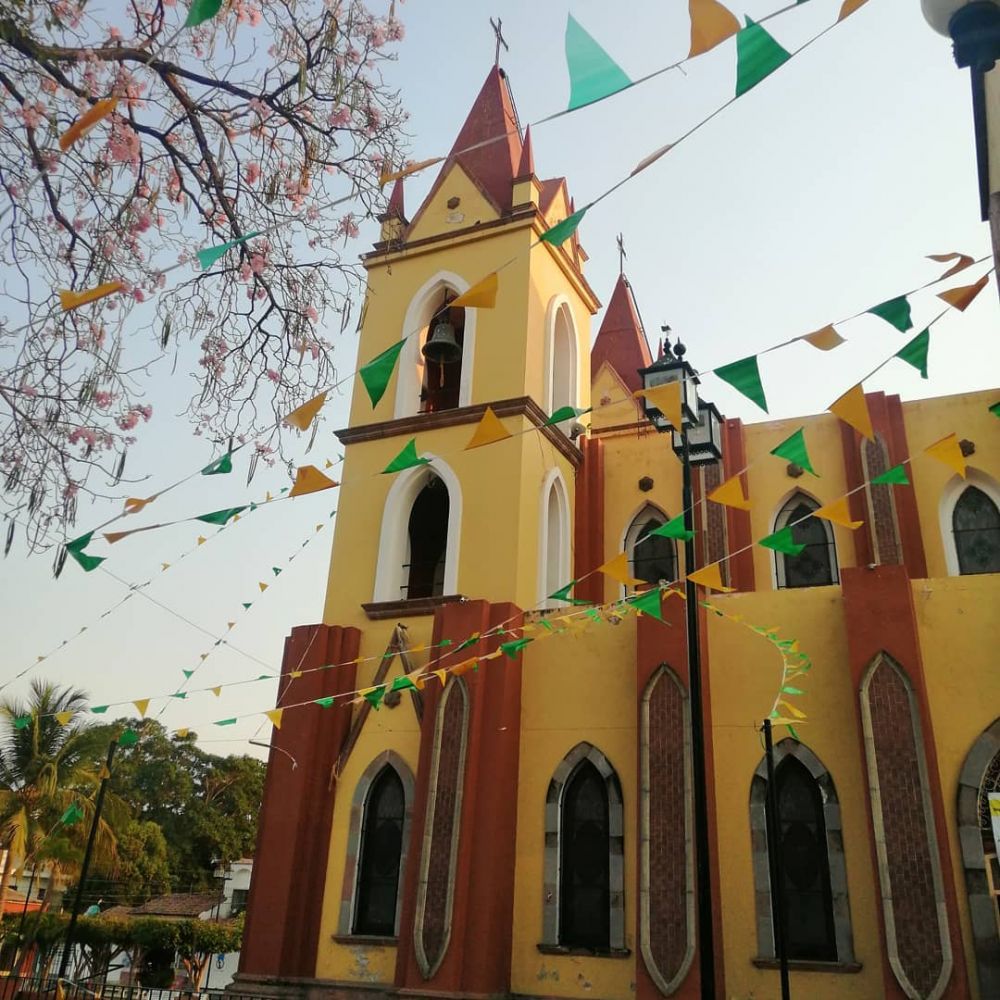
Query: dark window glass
{"type": "Point", "coordinates": [381, 848]}
{"type": "Point", "coordinates": [815, 565]}
{"type": "Point", "coordinates": [428, 529]}
{"type": "Point", "coordinates": [976, 522]}
{"type": "Point", "coordinates": [585, 877]}
{"type": "Point", "coordinates": [653, 555]}
{"type": "Point", "coordinates": [803, 865]}
{"type": "Point", "coordinates": [239, 902]}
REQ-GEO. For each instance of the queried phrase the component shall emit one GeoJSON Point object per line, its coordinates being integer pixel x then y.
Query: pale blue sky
{"type": "Point", "coordinates": [811, 198]}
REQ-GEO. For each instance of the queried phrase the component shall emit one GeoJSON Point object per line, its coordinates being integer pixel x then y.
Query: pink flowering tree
{"type": "Point", "coordinates": [270, 118]}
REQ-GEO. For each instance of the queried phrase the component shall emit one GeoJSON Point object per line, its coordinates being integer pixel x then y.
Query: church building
{"type": "Point", "coordinates": [521, 822]}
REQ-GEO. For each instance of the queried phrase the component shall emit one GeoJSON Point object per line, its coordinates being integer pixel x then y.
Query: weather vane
{"type": "Point", "coordinates": [497, 30]}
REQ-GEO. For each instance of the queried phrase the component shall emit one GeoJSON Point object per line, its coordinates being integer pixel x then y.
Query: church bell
{"type": "Point", "coordinates": [442, 347]}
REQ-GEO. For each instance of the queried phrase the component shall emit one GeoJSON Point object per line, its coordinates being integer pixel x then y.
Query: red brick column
{"type": "Point", "coordinates": [738, 533]}
{"type": "Point", "coordinates": [285, 905]}
{"type": "Point", "coordinates": [588, 534]}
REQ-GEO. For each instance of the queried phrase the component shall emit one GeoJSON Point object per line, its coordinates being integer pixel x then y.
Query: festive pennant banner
{"type": "Point", "coordinates": [593, 74]}
{"type": "Point", "coordinates": [374, 696]}
{"type": "Point", "coordinates": [961, 298]}
{"type": "Point", "coordinates": [482, 295]}
{"type": "Point", "coordinates": [209, 256]}
{"type": "Point", "coordinates": [731, 494]}
{"type": "Point", "coordinates": [128, 738]}
{"type": "Point", "coordinates": [562, 594]}
{"type": "Point", "coordinates": [948, 451]}
{"type": "Point", "coordinates": [489, 430]}
{"type": "Point", "coordinates": [562, 231]}
{"type": "Point", "coordinates": [220, 516]}
{"type": "Point", "coordinates": [64, 718]}
{"type": "Point", "coordinates": [710, 576]}
{"type": "Point", "coordinates": [201, 11]}
{"type": "Point", "coordinates": [617, 569]}
{"type": "Point", "coordinates": [226, 722]}
{"type": "Point", "coordinates": [711, 24]}
{"type": "Point", "coordinates": [87, 121]}
{"type": "Point", "coordinates": [757, 56]}
{"type": "Point", "coordinates": [825, 339]}
{"type": "Point", "coordinates": [22, 722]}
{"type": "Point", "coordinates": [275, 715]}
{"type": "Point", "coordinates": [667, 399]}
{"type": "Point", "coordinates": [135, 504]}
{"type": "Point", "coordinates": [648, 161]}
{"type": "Point", "coordinates": [406, 459]}
{"type": "Point", "coordinates": [852, 408]}
{"type": "Point", "coordinates": [896, 476]}
{"type": "Point", "coordinates": [413, 168]}
{"type": "Point", "coordinates": [849, 7]}
{"type": "Point", "coordinates": [302, 416]}
{"type": "Point", "coordinates": [75, 549]}
{"type": "Point", "coordinates": [376, 374]}
{"type": "Point", "coordinates": [649, 602]}
{"type": "Point", "coordinates": [73, 814]}
{"type": "Point", "coordinates": [673, 529]}
{"type": "Point", "coordinates": [70, 300]}
{"type": "Point", "coordinates": [744, 376]}
{"type": "Point", "coordinates": [782, 541]}
{"type": "Point", "coordinates": [915, 352]}
{"type": "Point", "coordinates": [894, 311]}
{"type": "Point", "coordinates": [964, 261]}
{"type": "Point", "coordinates": [263, 586]}
{"type": "Point", "coordinates": [513, 648]}
{"type": "Point", "coordinates": [308, 479]}
{"type": "Point", "coordinates": [838, 513]}
{"type": "Point", "coordinates": [793, 449]}
{"type": "Point", "coordinates": [403, 683]}
{"type": "Point", "coordinates": [995, 409]}
{"type": "Point", "coordinates": [566, 413]}
{"type": "Point", "coordinates": [220, 467]}
{"type": "Point", "coordinates": [141, 705]}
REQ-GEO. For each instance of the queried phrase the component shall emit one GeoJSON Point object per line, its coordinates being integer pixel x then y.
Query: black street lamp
{"type": "Point", "coordinates": [696, 442]}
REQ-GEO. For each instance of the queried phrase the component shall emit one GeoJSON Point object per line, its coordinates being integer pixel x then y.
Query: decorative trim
{"type": "Point", "coordinates": [514, 407]}
{"type": "Point", "coordinates": [426, 966]}
{"type": "Point", "coordinates": [665, 675]}
{"type": "Point", "coordinates": [616, 846]}
{"type": "Point", "coordinates": [982, 906]}
{"type": "Point", "coordinates": [884, 661]}
{"type": "Point", "coordinates": [553, 481]}
{"type": "Point", "coordinates": [415, 608]}
{"type": "Point", "coordinates": [559, 305]}
{"type": "Point", "coordinates": [834, 853]}
{"type": "Point", "coordinates": [352, 866]}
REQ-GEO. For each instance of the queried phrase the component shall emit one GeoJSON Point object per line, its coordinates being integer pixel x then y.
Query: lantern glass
{"type": "Point", "coordinates": [664, 372]}
{"type": "Point", "coordinates": [704, 437]}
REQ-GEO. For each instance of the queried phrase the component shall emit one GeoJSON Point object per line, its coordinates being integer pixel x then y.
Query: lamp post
{"type": "Point", "coordinates": [974, 28]}
{"type": "Point", "coordinates": [698, 440]}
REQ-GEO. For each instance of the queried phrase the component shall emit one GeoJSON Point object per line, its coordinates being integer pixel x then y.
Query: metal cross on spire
{"type": "Point", "coordinates": [498, 31]}
{"type": "Point", "coordinates": [621, 254]}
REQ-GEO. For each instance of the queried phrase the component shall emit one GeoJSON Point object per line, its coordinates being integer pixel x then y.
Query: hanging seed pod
{"type": "Point", "coordinates": [57, 566]}
{"type": "Point", "coordinates": [165, 336]}
{"type": "Point", "coordinates": [345, 316]}
{"type": "Point", "coordinates": [11, 524]}
{"type": "Point", "coordinates": [119, 471]}
{"type": "Point", "coordinates": [254, 458]}
{"type": "Point", "coordinates": [52, 415]}
{"type": "Point", "coordinates": [13, 477]}
{"type": "Point", "coordinates": [69, 510]}
{"type": "Point", "coordinates": [302, 78]}
{"type": "Point", "coordinates": [312, 437]}
{"type": "Point", "coordinates": [35, 498]}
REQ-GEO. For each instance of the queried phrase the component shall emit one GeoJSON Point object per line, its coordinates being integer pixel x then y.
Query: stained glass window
{"type": "Point", "coordinates": [976, 523]}
{"type": "Point", "coordinates": [816, 564]}
{"type": "Point", "coordinates": [381, 849]}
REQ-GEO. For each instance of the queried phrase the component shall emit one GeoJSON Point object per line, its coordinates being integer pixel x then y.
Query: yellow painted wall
{"type": "Point", "coordinates": [574, 688]}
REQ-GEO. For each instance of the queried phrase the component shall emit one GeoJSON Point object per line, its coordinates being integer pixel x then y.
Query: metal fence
{"type": "Point", "coordinates": [48, 988]}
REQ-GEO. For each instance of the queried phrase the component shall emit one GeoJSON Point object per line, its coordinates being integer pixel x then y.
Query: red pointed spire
{"type": "Point", "coordinates": [526, 168]}
{"type": "Point", "coordinates": [492, 128]}
{"type": "Point", "coordinates": [395, 207]}
{"type": "Point", "coordinates": [621, 340]}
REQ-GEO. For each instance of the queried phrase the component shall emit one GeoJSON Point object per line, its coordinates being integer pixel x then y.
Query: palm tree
{"type": "Point", "coordinates": [45, 766]}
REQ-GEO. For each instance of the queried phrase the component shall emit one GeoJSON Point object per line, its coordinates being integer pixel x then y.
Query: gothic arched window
{"type": "Point", "coordinates": [652, 558]}
{"type": "Point", "coordinates": [560, 359]}
{"type": "Point", "coordinates": [976, 525]}
{"type": "Point", "coordinates": [427, 532]}
{"type": "Point", "coordinates": [816, 564]}
{"type": "Point", "coordinates": [440, 384]}
{"type": "Point", "coordinates": [381, 853]}
{"type": "Point", "coordinates": [554, 550]}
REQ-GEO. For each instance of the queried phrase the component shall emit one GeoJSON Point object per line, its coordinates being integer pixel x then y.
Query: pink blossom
{"type": "Point", "coordinates": [252, 173]}
{"type": "Point", "coordinates": [340, 117]}
{"type": "Point", "coordinates": [311, 313]}
{"type": "Point", "coordinates": [274, 377]}
{"type": "Point", "coordinates": [138, 294]}
{"type": "Point", "coordinates": [124, 144]}
{"type": "Point", "coordinates": [245, 271]}
{"type": "Point", "coordinates": [257, 263]}
{"type": "Point", "coordinates": [103, 399]}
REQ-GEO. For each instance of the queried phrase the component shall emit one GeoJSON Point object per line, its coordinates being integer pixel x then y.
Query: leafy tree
{"type": "Point", "coordinates": [271, 119]}
{"type": "Point", "coordinates": [199, 940]}
{"type": "Point", "coordinates": [143, 868]}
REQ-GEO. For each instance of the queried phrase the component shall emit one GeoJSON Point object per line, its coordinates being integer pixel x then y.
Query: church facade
{"type": "Point", "coordinates": [524, 828]}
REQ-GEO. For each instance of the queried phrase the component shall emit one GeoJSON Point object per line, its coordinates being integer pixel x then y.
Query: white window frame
{"type": "Point", "coordinates": [554, 481]}
{"type": "Point", "coordinates": [953, 489]}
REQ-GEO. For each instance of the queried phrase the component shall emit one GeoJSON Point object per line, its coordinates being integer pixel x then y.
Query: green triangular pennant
{"type": "Point", "coordinates": [915, 352]}
{"type": "Point", "coordinates": [72, 815]}
{"type": "Point", "coordinates": [896, 476]}
{"type": "Point", "coordinates": [895, 311]}
{"type": "Point", "coordinates": [22, 721]}
{"type": "Point", "coordinates": [514, 647]}
{"type": "Point", "coordinates": [99, 709]}
{"type": "Point", "coordinates": [562, 231]}
{"type": "Point", "coordinates": [648, 602]}
{"type": "Point", "coordinates": [128, 738]}
{"type": "Point", "coordinates": [75, 549]}
{"type": "Point", "coordinates": [562, 594]}
{"type": "Point", "coordinates": [995, 409]}
{"type": "Point", "coordinates": [188, 674]}
{"type": "Point", "coordinates": [406, 459]}
{"type": "Point", "coordinates": [374, 698]}
{"type": "Point", "coordinates": [206, 258]}
{"type": "Point", "coordinates": [202, 10]}
{"type": "Point", "coordinates": [782, 541]}
{"type": "Point", "coordinates": [744, 376]}
{"type": "Point", "coordinates": [226, 722]}
{"type": "Point", "coordinates": [674, 528]}
{"type": "Point", "coordinates": [179, 694]}
{"type": "Point", "coordinates": [220, 516]}
{"type": "Point", "coordinates": [276, 570]}
{"type": "Point", "coordinates": [324, 702]}
{"type": "Point", "coordinates": [247, 605]}
{"type": "Point", "coordinates": [757, 56]}
{"type": "Point", "coordinates": [378, 371]}
{"type": "Point", "coordinates": [220, 466]}
{"type": "Point", "coordinates": [565, 413]}
{"type": "Point", "coordinates": [593, 74]}
{"type": "Point", "coordinates": [402, 684]}
{"type": "Point", "coordinates": [793, 449]}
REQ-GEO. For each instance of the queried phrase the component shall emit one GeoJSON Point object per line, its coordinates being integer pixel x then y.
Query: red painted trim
{"type": "Point", "coordinates": [738, 531]}
{"type": "Point", "coordinates": [588, 548]}
{"type": "Point", "coordinates": [879, 616]}
{"type": "Point", "coordinates": [907, 516]}
{"type": "Point", "coordinates": [857, 503]}
{"type": "Point", "coordinates": [293, 844]}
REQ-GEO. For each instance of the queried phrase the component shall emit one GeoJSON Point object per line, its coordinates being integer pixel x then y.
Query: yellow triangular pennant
{"type": "Point", "coordinates": [465, 666]}
{"type": "Point", "coordinates": [963, 261]}
{"type": "Point", "coordinates": [267, 497]}
{"type": "Point", "coordinates": [141, 706]}
{"type": "Point", "coordinates": [797, 712]}
{"type": "Point", "coordinates": [134, 504]}
{"type": "Point", "coordinates": [482, 295]}
{"type": "Point", "coordinates": [328, 464]}
{"type": "Point", "coordinates": [849, 7]}
{"type": "Point", "coordinates": [295, 674]}
{"type": "Point", "coordinates": [275, 715]}
{"type": "Point", "coordinates": [442, 676]}
{"type": "Point", "coordinates": [852, 408]}
{"type": "Point", "coordinates": [263, 586]}
{"type": "Point", "coordinates": [302, 416]}
{"type": "Point", "coordinates": [73, 300]}
{"type": "Point", "coordinates": [406, 171]}
{"type": "Point", "coordinates": [64, 718]}
{"type": "Point", "coordinates": [730, 494]}
{"type": "Point", "coordinates": [838, 513]}
{"type": "Point", "coordinates": [202, 539]}
{"type": "Point", "coordinates": [419, 681]}
{"type": "Point", "coordinates": [949, 451]}
{"type": "Point", "coordinates": [711, 24]}
{"type": "Point", "coordinates": [230, 625]}
{"type": "Point", "coordinates": [308, 479]}
{"type": "Point", "coordinates": [824, 340]}
{"type": "Point", "coordinates": [217, 691]}
{"type": "Point", "coordinates": [87, 121]}
{"type": "Point", "coordinates": [164, 567]}
{"type": "Point", "coordinates": [488, 431]}
{"type": "Point", "coordinates": [183, 732]}
{"type": "Point", "coordinates": [104, 772]}
{"type": "Point", "coordinates": [667, 399]}
{"type": "Point", "coordinates": [709, 576]}
{"type": "Point", "coordinates": [617, 569]}
{"type": "Point", "coordinates": [116, 536]}
{"type": "Point", "coordinates": [961, 298]}
{"type": "Point", "coordinates": [204, 657]}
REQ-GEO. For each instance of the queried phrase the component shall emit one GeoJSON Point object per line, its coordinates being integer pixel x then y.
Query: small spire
{"type": "Point", "coordinates": [395, 208]}
{"type": "Point", "coordinates": [526, 168]}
